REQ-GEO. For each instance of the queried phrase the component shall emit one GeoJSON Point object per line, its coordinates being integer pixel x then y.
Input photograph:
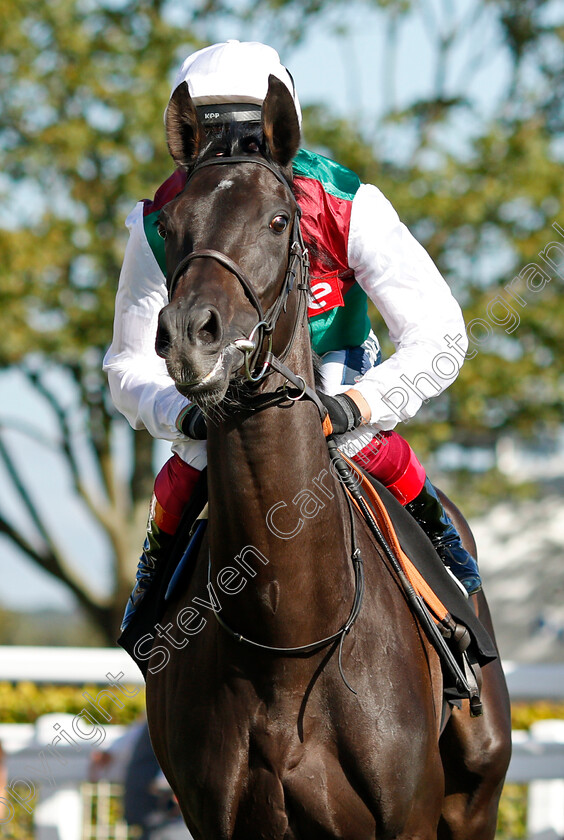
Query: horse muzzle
{"type": "Point", "coordinates": [198, 356]}
{"type": "Point", "coordinates": [197, 329]}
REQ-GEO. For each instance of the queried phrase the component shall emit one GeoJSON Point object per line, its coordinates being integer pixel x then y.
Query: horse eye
{"type": "Point", "coordinates": [279, 223]}
{"type": "Point", "coordinates": [161, 230]}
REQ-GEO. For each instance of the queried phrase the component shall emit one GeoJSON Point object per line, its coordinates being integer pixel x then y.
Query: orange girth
{"type": "Point", "coordinates": [438, 609]}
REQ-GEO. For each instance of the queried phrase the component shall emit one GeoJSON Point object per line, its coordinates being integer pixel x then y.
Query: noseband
{"type": "Point", "coordinates": [298, 263]}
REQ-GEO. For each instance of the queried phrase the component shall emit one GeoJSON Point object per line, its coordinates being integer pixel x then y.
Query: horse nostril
{"type": "Point", "coordinates": [163, 341]}
{"type": "Point", "coordinates": [208, 331]}
{"type": "Point", "coordinates": [181, 327]}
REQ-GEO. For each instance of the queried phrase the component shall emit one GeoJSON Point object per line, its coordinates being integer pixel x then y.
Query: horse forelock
{"type": "Point", "coordinates": [238, 139]}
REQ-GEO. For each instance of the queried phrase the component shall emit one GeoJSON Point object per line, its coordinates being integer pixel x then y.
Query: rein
{"type": "Point", "coordinates": [312, 647]}
{"type": "Point", "coordinates": [298, 264]}
{"type": "Point", "coordinates": [351, 493]}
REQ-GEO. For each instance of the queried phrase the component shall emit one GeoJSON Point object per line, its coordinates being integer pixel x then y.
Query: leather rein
{"type": "Point", "coordinates": [297, 269]}
{"type": "Point", "coordinates": [298, 264]}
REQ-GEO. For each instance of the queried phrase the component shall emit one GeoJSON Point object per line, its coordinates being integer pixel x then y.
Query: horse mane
{"type": "Point", "coordinates": [318, 375]}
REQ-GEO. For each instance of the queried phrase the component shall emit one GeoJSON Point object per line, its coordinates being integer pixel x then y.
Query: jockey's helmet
{"type": "Point", "coordinates": [229, 81]}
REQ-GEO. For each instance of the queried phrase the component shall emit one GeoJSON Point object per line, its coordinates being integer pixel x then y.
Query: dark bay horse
{"type": "Point", "coordinates": [257, 743]}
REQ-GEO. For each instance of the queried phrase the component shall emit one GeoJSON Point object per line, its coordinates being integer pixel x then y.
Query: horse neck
{"type": "Point", "coordinates": [275, 504]}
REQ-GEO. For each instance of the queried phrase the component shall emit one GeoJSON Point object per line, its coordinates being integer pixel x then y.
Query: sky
{"type": "Point", "coordinates": [344, 71]}
{"type": "Point", "coordinates": [346, 65]}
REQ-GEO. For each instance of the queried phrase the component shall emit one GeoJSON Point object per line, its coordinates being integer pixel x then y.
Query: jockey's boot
{"type": "Point", "coordinates": [430, 514]}
{"type": "Point", "coordinates": [155, 547]}
{"type": "Point", "coordinates": [174, 486]}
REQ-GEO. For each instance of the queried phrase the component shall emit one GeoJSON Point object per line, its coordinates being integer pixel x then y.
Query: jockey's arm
{"type": "Point", "coordinates": [424, 320]}
{"type": "Point", "coordinates": [139, 383]}
{"type": "Point", "coordinates": [363, 406]}
{"type": "Point", "coordinates": [390, 265]}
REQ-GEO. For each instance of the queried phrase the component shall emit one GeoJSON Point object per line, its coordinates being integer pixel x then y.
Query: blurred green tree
{"type": "Point", "coordinates": [82, 86]}
{"type": "Point", "coordinates": [482, 189]}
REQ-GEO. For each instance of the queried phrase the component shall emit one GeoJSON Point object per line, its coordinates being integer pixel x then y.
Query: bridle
{"type": "Point", "coordinates": [297, 269]}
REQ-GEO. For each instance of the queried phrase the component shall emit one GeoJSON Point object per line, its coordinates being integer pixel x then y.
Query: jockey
{"type": "Point", "coordinates": [359, 250]}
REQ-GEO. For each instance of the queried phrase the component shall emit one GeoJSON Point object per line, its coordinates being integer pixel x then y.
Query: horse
{"type": "Point", "coordinates": [278, 706]}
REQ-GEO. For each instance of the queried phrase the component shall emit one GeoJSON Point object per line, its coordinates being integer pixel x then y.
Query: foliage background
{"type": "Point", "coordinates": [473, 165]}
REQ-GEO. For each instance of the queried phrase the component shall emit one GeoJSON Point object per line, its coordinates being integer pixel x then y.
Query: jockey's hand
{"type": "Point", "coordinates": [344, 413]}
{"type": "Point", "coordinates": [192, 423]}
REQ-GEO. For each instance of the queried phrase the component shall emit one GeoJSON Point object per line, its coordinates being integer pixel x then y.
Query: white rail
{"type": "Point", "coordinates": [68, 665]}
{"type": "Point", "coordinates": [538, 756]}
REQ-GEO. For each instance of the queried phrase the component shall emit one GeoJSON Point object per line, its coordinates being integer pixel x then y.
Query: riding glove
{"type": "Point", "coordinates": [192, 423]}
{"type": "Point", "coordinates": [343, 412]}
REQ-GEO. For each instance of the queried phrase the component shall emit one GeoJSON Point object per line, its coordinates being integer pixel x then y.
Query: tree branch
{"type": "Point", "coordinates": [49, 561]}
{"type": "Point", "coordinates": [49, 558]}
{"type": "Point", "coordinates": [23, 494]}
{"type": "Point", "coordinates": [62, 420]}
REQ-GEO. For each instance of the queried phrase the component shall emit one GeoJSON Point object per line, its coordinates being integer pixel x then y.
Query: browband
{"type": "Point", "coordinates": [228, 112]}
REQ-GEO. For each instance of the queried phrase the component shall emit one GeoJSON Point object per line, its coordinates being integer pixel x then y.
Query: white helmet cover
{"type": "Point", "coordinates": [233, 78]}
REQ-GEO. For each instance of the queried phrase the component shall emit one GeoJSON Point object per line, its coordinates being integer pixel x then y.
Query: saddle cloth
{"type": "Point", "coordinates": [411, 546]}
{"type": "Point", "coordinates": [423, 566]}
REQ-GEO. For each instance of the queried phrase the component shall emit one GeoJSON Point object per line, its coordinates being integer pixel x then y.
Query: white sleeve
{"type": "Point", "coordinates": [424, 320]}
{"type": "Point", "coordinates": [139, 382]}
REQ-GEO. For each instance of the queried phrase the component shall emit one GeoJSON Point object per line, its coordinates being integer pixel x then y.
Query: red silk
{"type": "Point", "coordinates": [391, 460]}
{"type": "Point", "coordinates": [173, 487]}
{"type": "Point", "coordinates": [388, 457]}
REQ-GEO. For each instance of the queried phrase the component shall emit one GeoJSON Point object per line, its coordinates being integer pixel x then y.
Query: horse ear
{"type": "Point", "coordinates": [280, 125]}
{"type": "Point", "coordinates": [184, 131]}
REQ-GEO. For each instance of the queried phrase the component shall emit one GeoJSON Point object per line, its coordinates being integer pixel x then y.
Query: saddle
{"type": "Point", "coordinates": [462, 642]}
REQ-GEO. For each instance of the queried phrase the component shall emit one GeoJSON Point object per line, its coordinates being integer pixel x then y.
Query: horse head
{"type": "Point", "coordinates": [228, 239]}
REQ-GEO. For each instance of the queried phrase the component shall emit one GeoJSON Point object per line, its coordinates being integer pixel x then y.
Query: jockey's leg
{"type": "Point", "coordinates": [390, 459]}
{"type": "Point", "coordinates": [174, 486]}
